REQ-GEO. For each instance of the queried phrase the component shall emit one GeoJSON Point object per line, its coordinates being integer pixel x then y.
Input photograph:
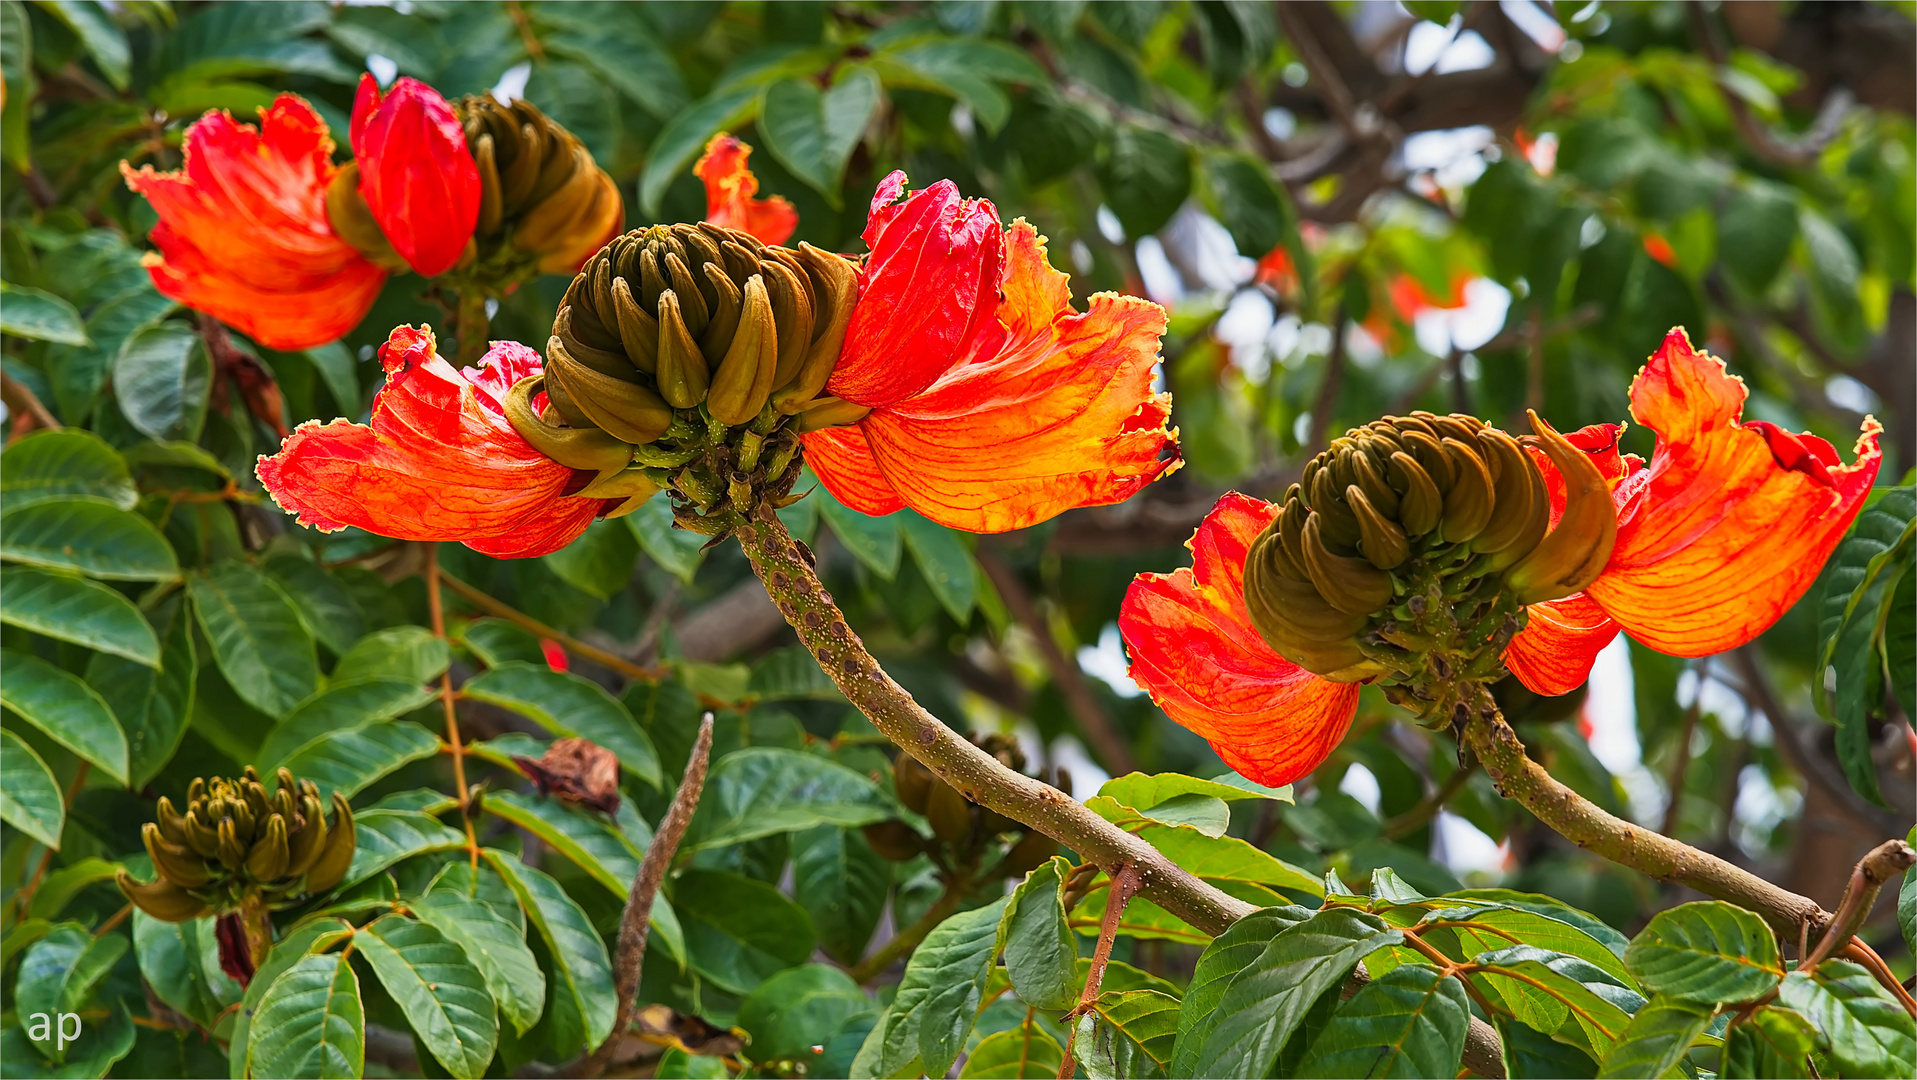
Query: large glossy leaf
{"type": "Point", "coordinates": [813, 132]}
{"type": "Point", "coordinates": [1127, 1033]}
{"type": "Point", "coordinates": [1228, 954]}
{"type": "Point", "coordinates": [495, 946]}
{"type": "Point", "coordinates": [30, 798]}
{"type": "Point", "coordinates": [88, 537]}
{"type": "Point", "coordinates": [600, 849]}
{"type": "Point", "coordinates": [258, 640]}
{"type": "Point", "coordinates": [386, 836]}
{"type": "Point", "coordinates": [1145, 175]}
{"type": "Point", "coordinates": [739, 931]}
{"type": "Point", "coordinates": [71, 608]}
{"type": "Point", "coordinates": [1268, 1000]}
{"type": "Point", "coordinates": [677, 551]}
{"type": "Point", "coordinates": [1562, 996]}
{"type": "Point", "coordinates": [1657, 1037]}
{"type": "Point", "coordinates": [153, 707]}
{"type": "Point", "coordinates": [1463, 933]}
{"type": "Point", "coordinates": [66, 464]}
{"type": "Point", "coordinates": [599, 563]}
{"type": "Point", "coordinates": [310, 1023]}
{"type": "Point", "coordinates": [181, 962]}
{"type": "Point", "coordinates": [944, 562]}
{"type": "Point", "coordinates": [161, 379]}
{"type": "Point", "coordinates": [580, 1006]}
{"type": "Point", "coordinates": [1024, 1053]}
{"type": "Point", "coordinates": [1868, 1033]}
{"type": "Point", "coordinates": [687, 133]}
{"type": "Point", "coordinates": [347, 761]}
{"type": "Point", "coordinates": [310, 937]}
{"type": "Point", "coordinates": [874, 541]}
{"type": "Point", "coordinates": [1771, 1042]}
{"type": "Point", "coordinates": [65, 709]}
{"type": "Point", "coordinates": [794, 1010]}
{"type": "Point", "coordinates": [324, 604]}
{"type": "Point", "coordinates": [341, 707]}
{"type": "Point", "coordinates": [37, 314]}
{"type": "Point", "coordinates": [762, 790]}
{"type": "Point", "coordinates": [1530, 1054]}
{"type": "Point", "coordinates": [1410, 1021]}
{"type": "Point", "coordinates": [103, 39]}
{"type": "Point", "coordinates": [566, 704]}
{"type": "Point", "coordinates": [937, 1000]}
{"type": "Point", "coordinates": [442, 994]}
{"type": "Point", "coordinates": [407, 653]}
{"type": "Point", "coordinates": [1041, 953]}
{"type": "Point", "coordinates": [1707, 952]}
{"type": "Point", "coordinates": [842, 884]}
{"type": "Point", "coordinates": [1553, 908]}
{"type": "Point", "coordinates": [60, 972]}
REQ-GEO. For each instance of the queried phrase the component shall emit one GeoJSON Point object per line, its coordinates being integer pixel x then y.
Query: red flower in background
{"type": "Point", "coordinates": [243, 232]}
{"type": "Point", "coordinates": [415, 172]}
{"type": "Point", "coordinates": [1718, 536]}
{"type": "Point", "coordinates": [439, 461]}
{"type": "Point", "coordinates": [994, 404]}
{"type": "Point", "coordinates": [730, 187]}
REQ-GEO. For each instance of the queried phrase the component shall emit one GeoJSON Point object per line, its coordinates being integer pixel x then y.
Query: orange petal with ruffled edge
{"type": "Point", "coordinates": [1195, 651]}
{"type": "Point", "coordinates": [243, 233]}
{"type": "Point", "coordinates": [1060, 415]}
{"type": "Point", "coordinates": [843, 462]}
{"type": "Point", "coordinates": [730, 187]}
{"type": "Point", "coordinates": [440, 461]}
{"type": "Point", "coordinates": [1554, 652]}
{"type": "Point", "coordinates": [1731, 522]}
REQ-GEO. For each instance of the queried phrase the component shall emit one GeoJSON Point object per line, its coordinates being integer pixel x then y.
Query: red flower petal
{"type": "Point", "coordinates": [927, 295]}
{"type": "Point", "coordinates": [1554, 652]}
{"type": "Point", "coordinates": [843, 462]}
{"type": "Point", "coordinates": [418, 178]}
{"type": "Point", "coordinates": [243, 233]}
{"type": "Point", "coordinates": [730, 187]}
{"type": "Point", "coordinates": [1731, 522]}
{"type": "Point", "coordinates": [440, 461]}
{"type": "Point", "coordinates": [1195, 651]}
{"type": "Point", "coordinates": [1055, 410]}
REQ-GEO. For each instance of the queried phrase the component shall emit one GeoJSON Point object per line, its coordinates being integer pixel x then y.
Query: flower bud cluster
{"type": "Point", "coordinates": [963, 831]}
{"type": "Point", "coordinates": [1409, 549]}
{"type": "Point", "coordinates": [234, 842]}
{"type": "Point", "coordinates": [690, 357]}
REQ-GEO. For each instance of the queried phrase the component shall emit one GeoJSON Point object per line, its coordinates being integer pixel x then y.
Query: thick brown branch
{"type": "Point", "coordinates": [1885, 861]}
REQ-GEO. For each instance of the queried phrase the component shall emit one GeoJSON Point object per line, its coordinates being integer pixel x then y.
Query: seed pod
{"type": "Point", "coordinates": [337, 855]}
{"type": "Point", "coordinates": [627, 411]}
{"type": "Point", "coordinates": [894, 840]}
{"type": "Point", "coordinates": [1029, 854]}
{"type": "Point", "coordinates": [913, 782]}
{"type": "Point", "coordinates": [162, 899]}
{"type": "Point", "coordinates": [948, 813]}
{"type": "Point", "coordinates": [539, 187]}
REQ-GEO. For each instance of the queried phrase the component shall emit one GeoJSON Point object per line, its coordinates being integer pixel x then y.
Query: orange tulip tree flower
{"type": "Point", "coordinates": [262, 231]}
{"type": "Point", "coordinates": [1430, 554]}
{"type": "Point", "coordinates": [950, 374]}
{"type": "Point", "coordinates": [730, 191]}
{"type": "Point", "coordinates": [993, 405]}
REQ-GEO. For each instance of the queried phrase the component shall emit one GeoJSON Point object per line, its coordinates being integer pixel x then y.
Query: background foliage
{"type": "Point", "coordinates": [1350, 209]}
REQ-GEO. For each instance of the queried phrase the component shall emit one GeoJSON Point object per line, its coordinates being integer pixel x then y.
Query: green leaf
{"type": "Point", "coordinates": [1145, 175]}
{"type": "Point", "coordinates": [1770, 1042]}
{"type": "Point", "coordinates": [568, 705]}
{"type": "Point", "coordinates": [1268, 1000]}
{"type": "Point", "coordinates": [686, 135]}
{"type": "Point", "coordinates": [411, 654]}
{"type": "Point", "coordinates": [309, 937]}
{"type": "Point", "coordinates": [1868, 1032]}
{"type": "Point", "coordinates": [89, 537]}
{"type": "Point", "coordinates": [1024, 1052]}
{"type": "Point", "coordinates": [790, 674]}
{"type": "Point", "coordinates": [59, 887]}
{"type": "Point", "coordinates": [65, 709]}
{"type": "Point", "coordinates": [46, 466]}
{"type": "Point", "coordinates": [1041, 954]}
{"type": "Point", "coordinates": [347, 761]}
{"type": "Point", "coordinates": [762, 790]}
{"type": "Point", "coordinates": [1127, 1033]}
{"type": "Point", "coordinates": [600, 850]}
{"type": "Point", "coordinates": [104, 41]}
{"type": "Point", "coordinates": [1229, 953]}
{"type": "Point", "coordinates": [965, 68]}
{"type": "Point", "coordinates": [1410, 1021]}
{"type": "Point", "coordinates": [842, 884]}
{"type": "Point", "coordinates": [1755, 230]}
{"type": "Point", "coordinates": [340, 708]}
{"type": "Point", "coordinates": [677, 551]}
{"type": "Point", "coordinates": [153, 707]}
{"type": "Point", "coordinates": [71, 608]}
{"type": "Point", "coordinates": [80, 373]}
{"type": "Point", "coordinates": [161, 379]}
{"type": "Point", "coordinates": [600, 562]}
{"type": "Point", "coordinates": [874, 541]}
{"type": "Point", "coordinates": [945, 562]}
{"type": "Point", "coordinates": [60, 972]}
{"type": "Point", "coordinates": [813, 133]}
{"type": "Point", "coordinates": [258, 640]}
{"type": "Point", "coordinates": [1707, 952]}
{"type": "Point", "coordinates": [938, 996]}
{"type": "Point", "coordinates": [442, 994]}
{"type": "Point", "coordinates": [794, 1010]}
{"type": "Point", "coordinates": [1907, 900]}
{"type": "Point", "coordinates": [325, 605]}
{"type": "Point", "coordinates": [1834, 271]}
{"type": "Point", "coordinates": [1463, 933]}
{"type": "Point", "coordinates": [386, 836]}
{"type": "Point", "coordinates": [42, 316]}
{"type": "Point", "coordinates": [30, 798]}
{"type": "Point", "coordinates": [630, 60]}
{"type": "Point", "coordinates": [1250, 204]}
{"type": "Point", "coordinates": [1900, 640]}
{"type": "Point", "coordinates": [339, 371]}
{"type": "Point", "coordinates": [582, 1001]}
{"type": "Point", "coordinates": [1552, 908]}
{"type": "Point", "coordinates": [1529, 1053]}
{"type": "Point", "coordinates": [496, 641]}
{"type": "Point", "coordinates": [181, 962]}
{"type": "Point", "coordinates": [495, 946]}
{"type": "Point", "coordinates": [1562, 996]}
{"type": "Point", "coordinates": [1142, 791]}
{"type": "Point", "coordinates": [310, 1023]}
{"type": "Point", "coordinates": [1657, 1037]}
{"type": "Point", "coordinates": [739, 931]}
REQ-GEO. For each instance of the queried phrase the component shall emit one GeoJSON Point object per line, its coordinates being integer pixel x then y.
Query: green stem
{"type": "Point", "coordinates": [1578, 820]}
{"type": "Point", "coordinates": [822, 628]}
{"type": "Point", "coordinates": [471, 324]}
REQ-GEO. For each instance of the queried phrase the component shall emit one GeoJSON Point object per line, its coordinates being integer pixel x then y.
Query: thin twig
{"type": "Point", "coordinates": [1413, 819]}
{"type": "Point", "coordinates": [491, 606]}
{"type": "Point", "coordinates": [437, 611]}
{"type": "Point", "coordinates": [1325, 409]}
{"type": "Point", "coordinates": [908, 939]}
{"type": "Point", "coordinates": [1125, 884]}
{"type": "Point", "coordinates": [1682, 764]}
{"type": "Point", "coordinates": [629, 954]}
{"type": "Point", "coordinates": [1885, 861]}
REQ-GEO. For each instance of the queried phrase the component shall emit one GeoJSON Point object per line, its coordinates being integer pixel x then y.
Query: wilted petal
{"type": "Point", "coordinates": [1056, 412]}
{"type": "Point", "coordinates": [843, 462]}
{"type": "Point", "coordinates": [1193, 648]}
{"type": "Point", "coordinates": [730, 187]}
{"type": "Point", "coordinates": [243, 233]}
{"type": "Point", "coordinates": [439, 461]}
{"type": "Point", "coordinates": [415, 172]}
{"type": "Point", "coordinates": [1731, 522]}
{"type": "Point", "coordinates": [1554, 652]}
{"type": "Point", "coordinates": [927, 296]}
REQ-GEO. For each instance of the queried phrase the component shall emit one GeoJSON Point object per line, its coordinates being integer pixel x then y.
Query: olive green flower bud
{"type": "Point", "coordinates": [541, 195]}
